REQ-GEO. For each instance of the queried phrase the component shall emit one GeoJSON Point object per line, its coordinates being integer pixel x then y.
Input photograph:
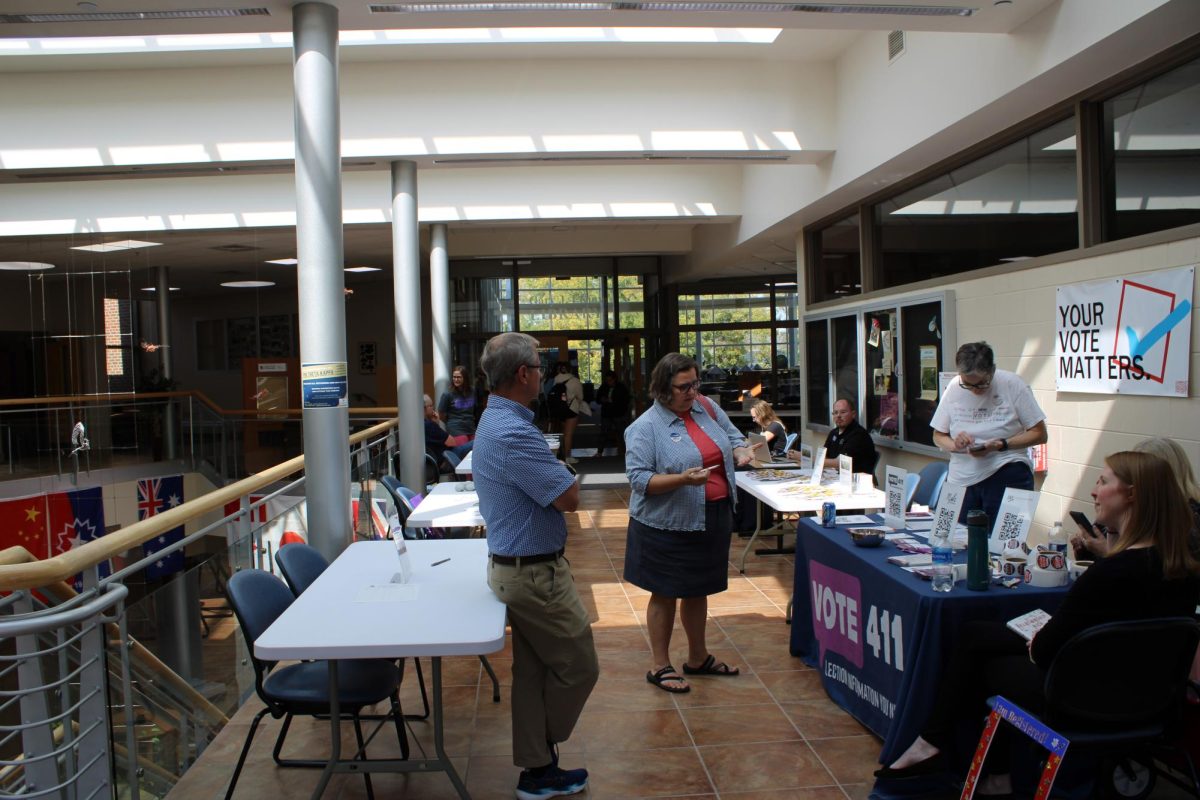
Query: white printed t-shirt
{"type": "Point", "coordinates": [1005, 410]}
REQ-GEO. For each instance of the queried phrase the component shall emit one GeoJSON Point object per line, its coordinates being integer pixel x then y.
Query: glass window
{"type": "Point", "coordinates": [1151, 138]}
{"type": "Point", "coordinates": [559, 304]}
{"type": "Point", "coordinates": [882, 400]}
{"type": "Point", "coordinates": [1015, 203]}
{"type": "Point", "coordinates": [922, 360]}
{"type": "Point", "coordinates": [837, 265]}
{"type": "Point", "coordinates": [631, 298]}
{"type": "Point", "coordinates": [845, 360]}
{"type": "Point", "coordinates": [817, 347]}
{"type": "Point", "coordinates": [481, 305]}
{"type": "Point", "coordinates": [718, 309]}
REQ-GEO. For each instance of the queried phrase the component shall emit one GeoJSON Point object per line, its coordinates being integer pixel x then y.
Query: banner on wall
{"type": "Point", "coordinates": [1125, 335]}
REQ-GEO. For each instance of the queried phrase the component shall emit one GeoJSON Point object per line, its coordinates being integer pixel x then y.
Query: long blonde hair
{"type": "Point", "coordinates": [1170, 451]}
{"type": "Point", "coordinates": [766, 414]}
{"type": "Point", "coordinates": [1159, 515]}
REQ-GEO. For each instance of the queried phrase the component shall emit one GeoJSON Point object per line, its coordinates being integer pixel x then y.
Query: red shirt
{"type": "Point", "coordinates": [717, 487]}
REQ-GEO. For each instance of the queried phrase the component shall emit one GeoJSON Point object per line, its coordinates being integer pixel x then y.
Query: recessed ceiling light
{"type": "Point", "coordinates": [287, 262]}
{"type": "Point", "coordinates": [155, 288]}
{"type": "Point", "coordinates": [248, 284]}
{"type": "Point", "coordinates": [362, 269]}
{"type": "Point", "coordinates": [109, 247]}
{"type": "Point", "coordinates": [24, 266]}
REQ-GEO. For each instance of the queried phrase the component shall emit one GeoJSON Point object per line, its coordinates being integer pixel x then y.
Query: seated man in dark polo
{"type": "Point", "coordinates": [523, 494]}
{"type": "Point", "coordinates": [848, 438]}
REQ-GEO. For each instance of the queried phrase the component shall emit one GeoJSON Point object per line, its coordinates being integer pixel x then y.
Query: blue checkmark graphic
{"type": "Point", "coordinates": [1139, 347]}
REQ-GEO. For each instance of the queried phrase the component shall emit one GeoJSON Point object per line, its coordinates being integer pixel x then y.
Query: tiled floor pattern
{"type": "Point", "coordinates": [768, 734]}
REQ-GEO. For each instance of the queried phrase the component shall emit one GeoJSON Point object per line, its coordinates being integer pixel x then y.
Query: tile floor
{"type": "Point", "coordinates": [768, 734]}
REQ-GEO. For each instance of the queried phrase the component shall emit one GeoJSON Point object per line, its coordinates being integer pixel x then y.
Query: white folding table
{"type": "Point", "coordinates": [777, 495]}
{"type": "Point", "coordinates": [464, 466]}
{"type": "Point", "coordinates": [354, 611]}
{"type": "Point", "coordinates": [448, 505]}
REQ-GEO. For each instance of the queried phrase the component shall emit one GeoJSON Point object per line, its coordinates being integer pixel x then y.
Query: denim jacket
{"type": "Point", "coordinates": [658, 442]}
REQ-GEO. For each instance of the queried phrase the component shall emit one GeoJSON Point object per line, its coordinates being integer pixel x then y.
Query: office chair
{"type": "Point", "coordinates": [789, 441]}
{"type": "Point", "coordinates": [933, 476]}
{"type": "Point", "coordinates": [402, 498]}
{"type": "Point", "coordinates": [258, 598]}
{"type": "Point", "coordinates": [1137, 698]}
{"type": "Point", "coordinates": [911, 481]}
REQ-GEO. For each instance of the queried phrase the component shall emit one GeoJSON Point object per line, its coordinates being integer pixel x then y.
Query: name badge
{"type": "Point", "coordinates": [676, 438]}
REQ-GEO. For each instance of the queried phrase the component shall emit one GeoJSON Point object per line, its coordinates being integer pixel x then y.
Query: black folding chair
{"type": "Point", "coordinates": [258, 598]}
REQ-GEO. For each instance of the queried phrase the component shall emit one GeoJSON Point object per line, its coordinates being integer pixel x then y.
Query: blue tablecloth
{"type": "Point", "coordinates": [879, 634]}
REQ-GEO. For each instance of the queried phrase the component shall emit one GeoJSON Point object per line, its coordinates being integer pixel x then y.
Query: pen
{"type": "Point", "coordinates": [443, 561]}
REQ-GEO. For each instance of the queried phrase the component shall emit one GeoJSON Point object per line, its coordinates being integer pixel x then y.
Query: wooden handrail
{"type": "Point", "coordinates": [121, 397]}
{"type": "Point", "coordinates": [16, 574]}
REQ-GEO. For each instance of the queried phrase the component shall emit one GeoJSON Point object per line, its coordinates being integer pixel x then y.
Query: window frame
{"type": "Point", "coordinates": [861, 311]}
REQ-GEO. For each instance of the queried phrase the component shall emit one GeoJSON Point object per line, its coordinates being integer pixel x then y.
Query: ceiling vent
{"type": "Point", "coordinates": [895, 45]}
{"type": "Point", "coordinates": [132, 16]}
{"type": "Point", "coordinates": [680, 6]}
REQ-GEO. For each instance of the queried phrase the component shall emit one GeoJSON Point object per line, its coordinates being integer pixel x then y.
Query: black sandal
{"type": "Point", "coordinates": [668, 680]}
{"type": "Point", "coordinates": [710, 667]}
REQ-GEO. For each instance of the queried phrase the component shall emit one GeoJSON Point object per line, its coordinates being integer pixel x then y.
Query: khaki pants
{"type": "Point", "coordinates": [554, 660]}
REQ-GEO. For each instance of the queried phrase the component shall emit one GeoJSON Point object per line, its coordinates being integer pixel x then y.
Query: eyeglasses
{"type": "Point", "coordinates": [538, 367]}
{"type": "Point", "coordinates": [684, 388]}
{"type": "Point", "coordinates": [984, 384]}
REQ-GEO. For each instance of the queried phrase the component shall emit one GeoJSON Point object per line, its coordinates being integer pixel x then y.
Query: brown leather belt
{"type": "Point", "coordinates": [517, 561]}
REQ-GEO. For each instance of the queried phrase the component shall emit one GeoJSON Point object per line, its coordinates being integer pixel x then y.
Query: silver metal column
{"type": "Point", "coordinates": [439, 308]}
{"type": "Point", "coordinates": [406, 274]}
{"type": "Point", "coordinates": [163, 306]}
{"type": "Point", "coordinates": [320, 277]}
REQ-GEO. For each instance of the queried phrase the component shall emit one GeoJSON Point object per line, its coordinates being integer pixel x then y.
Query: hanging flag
{"type": "Point", "coordinates": [23, 522]}
{"type": "Point", "coordinates": [74, 519]}
{"type": "Point", "coordinates": [156, 495]}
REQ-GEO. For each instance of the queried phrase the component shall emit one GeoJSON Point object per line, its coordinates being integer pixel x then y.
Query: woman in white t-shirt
{"type": "Point", "coordinates": [986, 419]}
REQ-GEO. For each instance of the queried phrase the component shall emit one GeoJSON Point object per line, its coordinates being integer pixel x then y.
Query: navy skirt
{"type": "Point", "coordinates": [681, 563]}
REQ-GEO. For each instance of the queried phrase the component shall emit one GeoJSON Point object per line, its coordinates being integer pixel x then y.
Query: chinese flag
{"type": "Point", "coordinates": [24, 522]}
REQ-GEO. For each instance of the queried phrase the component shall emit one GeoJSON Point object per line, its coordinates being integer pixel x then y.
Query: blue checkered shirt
{"type": "Point", "coordinates": [517, 478]}
{"type": "Point", "coordinates": [658, 441]}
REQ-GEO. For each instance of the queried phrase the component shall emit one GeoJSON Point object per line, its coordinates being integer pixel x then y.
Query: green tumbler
{"type": "Point", "coordinates": [979, 572]}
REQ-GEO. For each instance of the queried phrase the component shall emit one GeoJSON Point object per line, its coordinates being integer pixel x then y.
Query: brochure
{"type": "Point", "coordinates": [1028, 624]}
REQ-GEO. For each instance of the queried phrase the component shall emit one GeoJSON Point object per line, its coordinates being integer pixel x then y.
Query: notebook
{"type": "Point", "coordinates": [1028, 624]}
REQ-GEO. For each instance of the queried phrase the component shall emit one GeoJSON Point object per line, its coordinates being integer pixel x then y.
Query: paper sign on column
{"type": "Point", "coordinates": [893, 515]}
{"type": "Point", "coordinates": [1013, 519]}
{"type": "Point", "coordinates": [818, 467]}
{"type": "Point", "coordinates": [945, 517]}
{"type": "Point", "coordinates": [406, 571]}
{"type": "Point", "coordinates": [806, 456]}
{"type": "Point", "coordinates": [845, 472]}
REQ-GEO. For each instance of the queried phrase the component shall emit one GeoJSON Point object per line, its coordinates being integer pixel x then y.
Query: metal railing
{"type": "Point", "coordinates": [97, 698]}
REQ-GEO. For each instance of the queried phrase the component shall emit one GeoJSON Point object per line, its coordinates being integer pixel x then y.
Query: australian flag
{"type": "Point", "coordinates": [156, 495]}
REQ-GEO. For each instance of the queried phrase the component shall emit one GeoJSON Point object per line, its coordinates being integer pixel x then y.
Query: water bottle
{"type": "Point", "coordinates": [979, 571]}
{"type": "Point", "coordinates": [943, 560]}
{"type": "Point", "coordinates": [1057, 540]}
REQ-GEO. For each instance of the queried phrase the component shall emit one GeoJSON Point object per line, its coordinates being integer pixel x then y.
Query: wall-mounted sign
{"type": "Point", "coordinates": [1125, 335]}
{"type": "Point", "coordinates": [323, 384]}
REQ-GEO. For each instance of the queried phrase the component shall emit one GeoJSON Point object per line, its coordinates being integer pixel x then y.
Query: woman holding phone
{"type": "Point", "coordinates": [680, 456]}
{"type": "Point", "coordinates": [1149, 573]}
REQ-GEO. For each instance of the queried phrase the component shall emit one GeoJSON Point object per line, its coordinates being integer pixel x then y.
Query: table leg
{"type": "Point", "coordinates": [753, 536]}
{"type": "Point", "coordinates": [438, 745]}
{"type": "Point", "coordinates": [336, 736]}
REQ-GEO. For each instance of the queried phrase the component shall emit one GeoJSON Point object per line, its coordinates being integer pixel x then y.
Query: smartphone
{"type": "Point", "coordinates": [707, 470]}
{"type": "Point", "coordinates": [1083, 522]}
{"type": "Point", "coordinates": [977, 446]}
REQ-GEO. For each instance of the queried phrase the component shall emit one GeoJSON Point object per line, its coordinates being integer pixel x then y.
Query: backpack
{"type": "Point", "coordinates": [556, 400]}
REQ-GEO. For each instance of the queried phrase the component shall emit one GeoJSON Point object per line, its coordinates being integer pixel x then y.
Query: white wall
{"type": "Point", "coordinates": [1015, 314]}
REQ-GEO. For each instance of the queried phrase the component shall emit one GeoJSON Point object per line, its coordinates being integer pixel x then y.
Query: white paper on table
{"type": "Point", "coordinates": [894, 535]}
{"type": "Point", "coordinates": [846, 472]}
{"type": "Point", "coordinates": [949, 505]}
{"type": "Point", "coordinates": [893, 514]}
{"type": "Point", "coordinates": [855, 519]}
{"type": "Point", "coordinates": [806, 456]}
{"type": "Point", "coordinates": [818, 467]}
{"type": "Point", "coordinates": [924, 525]}
{"type": "Point", "coordinates": [388, 593]}
{"type": "Point", "coordinates": [405, 561]}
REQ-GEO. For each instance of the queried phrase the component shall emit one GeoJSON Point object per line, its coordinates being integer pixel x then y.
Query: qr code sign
{"type": "Point", "coordinates": [1181, 388]}
{"type": "Point", "coordinates": [1010, 529]}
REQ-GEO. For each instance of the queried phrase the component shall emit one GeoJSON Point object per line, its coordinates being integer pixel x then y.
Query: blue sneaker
{"type": "Point", "coordinates": [553, 782]}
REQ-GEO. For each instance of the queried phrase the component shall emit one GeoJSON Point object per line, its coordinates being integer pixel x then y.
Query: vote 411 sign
{"type": "Point", "coordinates": [1128, 335]}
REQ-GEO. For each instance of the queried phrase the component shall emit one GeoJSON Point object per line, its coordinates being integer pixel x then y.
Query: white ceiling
{"type": "Point", "coordinates": [812, 37]}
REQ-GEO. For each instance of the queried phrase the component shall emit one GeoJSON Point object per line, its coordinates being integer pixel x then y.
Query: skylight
{"type": "Point", "coordinates": [99, 45]}
{"type": "Point", "coordinates": [112, 247]}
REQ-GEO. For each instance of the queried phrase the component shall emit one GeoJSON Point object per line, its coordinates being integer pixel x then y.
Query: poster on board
{"type": "Point", "coordinates": [1125, 335]}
